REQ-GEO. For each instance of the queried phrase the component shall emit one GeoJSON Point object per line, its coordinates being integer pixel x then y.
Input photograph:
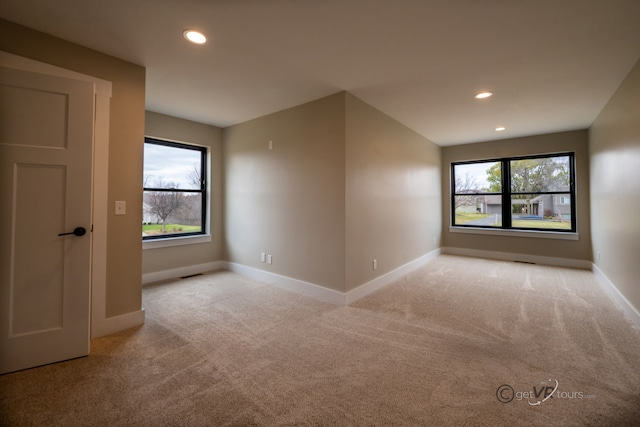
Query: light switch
{"type": "Point", "coordinates": [121, 208]}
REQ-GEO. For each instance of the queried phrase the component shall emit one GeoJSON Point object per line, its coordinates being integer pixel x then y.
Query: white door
{"type": "Point", "coordinates": [46, 143]}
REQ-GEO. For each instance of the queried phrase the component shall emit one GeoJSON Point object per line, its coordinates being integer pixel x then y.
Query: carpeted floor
{"type": "Point", "coordinates": [441, 346]}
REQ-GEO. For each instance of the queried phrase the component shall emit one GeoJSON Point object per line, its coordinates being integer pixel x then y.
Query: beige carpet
{"type": "Point", "coordinates": [430, 349]}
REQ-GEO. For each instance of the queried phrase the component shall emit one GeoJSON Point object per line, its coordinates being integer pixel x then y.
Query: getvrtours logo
{"type": "Point", "coordinates": [539, 393]}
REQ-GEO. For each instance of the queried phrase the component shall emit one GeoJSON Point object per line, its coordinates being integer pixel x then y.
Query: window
{"type": "Point", "coordinates": [175, 195]}
{"type": "Point", "coordinates": [518, 193]}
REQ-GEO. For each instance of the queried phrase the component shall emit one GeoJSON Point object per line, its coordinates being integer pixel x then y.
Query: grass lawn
{"type": "Point", "coordinates": [151, 229]}
{"type": "Point", "coordinates": [532, 223]}
{"type": "Point", "coordinates": [463, 217]}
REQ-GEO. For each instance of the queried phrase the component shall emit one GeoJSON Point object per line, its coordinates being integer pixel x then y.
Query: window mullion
{"type": "Point", "coordinates": [453, 194]}
{"type": "Point", "coordinates": [572, 188]}
{"type": "Point", "coordinates": [204, 173]}
{"type": "Point", "coordinates": [506, 194]}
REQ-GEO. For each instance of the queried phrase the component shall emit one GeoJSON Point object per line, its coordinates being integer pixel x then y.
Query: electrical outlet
{"type": "Point", "coordinates": [269, 259]}
{"type": "Point", "coordinates": [263, 257]}
{"type": "Point", "coordinates": [121, 208]}
{"type": "Point", "coordinates": [375, 264]}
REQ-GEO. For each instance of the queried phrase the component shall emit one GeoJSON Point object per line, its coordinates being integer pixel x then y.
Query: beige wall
{"type": "Point", "coordinates": [289, 201]}
{"type": "Point", "coordinates": [576, 141]}
{"type": "Point", "coordinates": [343, 185]}
{"type": "Point", "coordinates": [166, 127]}
{"type": "Point", "coordinates": [393, 194]}
{"type": "Point", "coordinates": [614, 143]}
{"type": "Point", "coordinates": [123, 293]}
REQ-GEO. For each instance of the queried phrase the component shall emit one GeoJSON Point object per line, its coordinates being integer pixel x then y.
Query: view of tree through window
{"type": "Point", "coordinates": [533, 193]}
{"type": "Point", "coordinates": [174, 199]}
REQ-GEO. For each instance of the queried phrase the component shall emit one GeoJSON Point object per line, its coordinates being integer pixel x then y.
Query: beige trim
{"type": "Point", "coordinates": [175, 273]}
{"type": "Point", "coordinates": [629, 310]}
{"type": "Point", "coordinates": [516, 233]}
{"type": "Point", "coordinates": [115, 324]}
{"type": "Point", "coordinates": [509, 256]}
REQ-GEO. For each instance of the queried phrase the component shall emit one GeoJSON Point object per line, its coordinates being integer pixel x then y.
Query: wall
{"type": "Point", "coordinates": [393, 194]}
{"type": "Point", "coordinates": [289, 201]}
{"type": "Point", "coordinates": [171, 128]}
{"type": "Point", "coordinates": [343, 185]}
{"type": "Point", "coordinates": [614, 144]}
{"type": "Point", "coordinates": [123, 292]}
{"type": "Point", "coordinates": [576, 141]}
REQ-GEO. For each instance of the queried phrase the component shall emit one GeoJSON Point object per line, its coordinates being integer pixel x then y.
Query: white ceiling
{"type": "Point", "coordinates": [552, 64]}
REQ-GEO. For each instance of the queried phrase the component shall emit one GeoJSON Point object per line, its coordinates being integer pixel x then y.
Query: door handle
{"type": "Point", "coordinates": [78, 231]}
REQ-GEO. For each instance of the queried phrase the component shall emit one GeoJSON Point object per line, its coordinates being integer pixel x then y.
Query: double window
{"type": "Point", "coordinates": [521, 193]}
{"type": "Point", "coordinates": [175, 190]}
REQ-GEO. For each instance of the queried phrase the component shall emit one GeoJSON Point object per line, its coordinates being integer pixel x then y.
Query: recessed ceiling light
{"type": "Point", "coordinates": [500, 128]}
{"type": "Point", "coordinates": [194, 36]}
{"type": "Point", "coordinates": [483, 95]}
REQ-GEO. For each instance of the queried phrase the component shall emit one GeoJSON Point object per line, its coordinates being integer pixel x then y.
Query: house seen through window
{"type": "Point", "coordinates": [522, 193]}
{"type": "Point", "coordinates": [174, 199]}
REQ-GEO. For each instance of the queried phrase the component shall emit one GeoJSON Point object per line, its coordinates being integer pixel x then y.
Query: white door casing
{"type": "Point", "coordinates": [101, 325]}
{"type": "Point", "coordinates": [46, 153]}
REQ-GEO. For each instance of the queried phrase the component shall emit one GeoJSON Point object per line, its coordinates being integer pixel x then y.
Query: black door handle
{"type": "Point", "coordinates": [78, 231]}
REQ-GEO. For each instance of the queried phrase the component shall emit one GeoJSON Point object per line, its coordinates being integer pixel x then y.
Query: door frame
{"type": "Point", "coordinates": [100, 325]}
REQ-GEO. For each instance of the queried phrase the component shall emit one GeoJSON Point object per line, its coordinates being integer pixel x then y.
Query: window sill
{"type": "Point", "coordinates": [516, 233]}
{"type": "Point", "coordinates": [175, 241]}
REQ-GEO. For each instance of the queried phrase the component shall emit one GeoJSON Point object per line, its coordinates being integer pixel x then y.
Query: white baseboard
{"type": "Point", "coordinates": [379, 282]}
{"type": "Point", "coordinates": [509, 256]}
{"type": "Point", "coordinates": [106, 326]}
{"type": "Point", "coordinates": [326, 294]}
{"type": "Point", "coordinates": [299, 286]}
{"type": "Point", "coordinates": [111, 325]}
{"type": "Point", "coordinates": [629, 310]}
{"type": "Point", "coordinates": [176, 273]}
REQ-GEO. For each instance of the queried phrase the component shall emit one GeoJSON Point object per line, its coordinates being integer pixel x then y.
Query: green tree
{"type": "Point", "coordinates": [494, 178]}
{"type": "Point", "coordinates": [532, 175]}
